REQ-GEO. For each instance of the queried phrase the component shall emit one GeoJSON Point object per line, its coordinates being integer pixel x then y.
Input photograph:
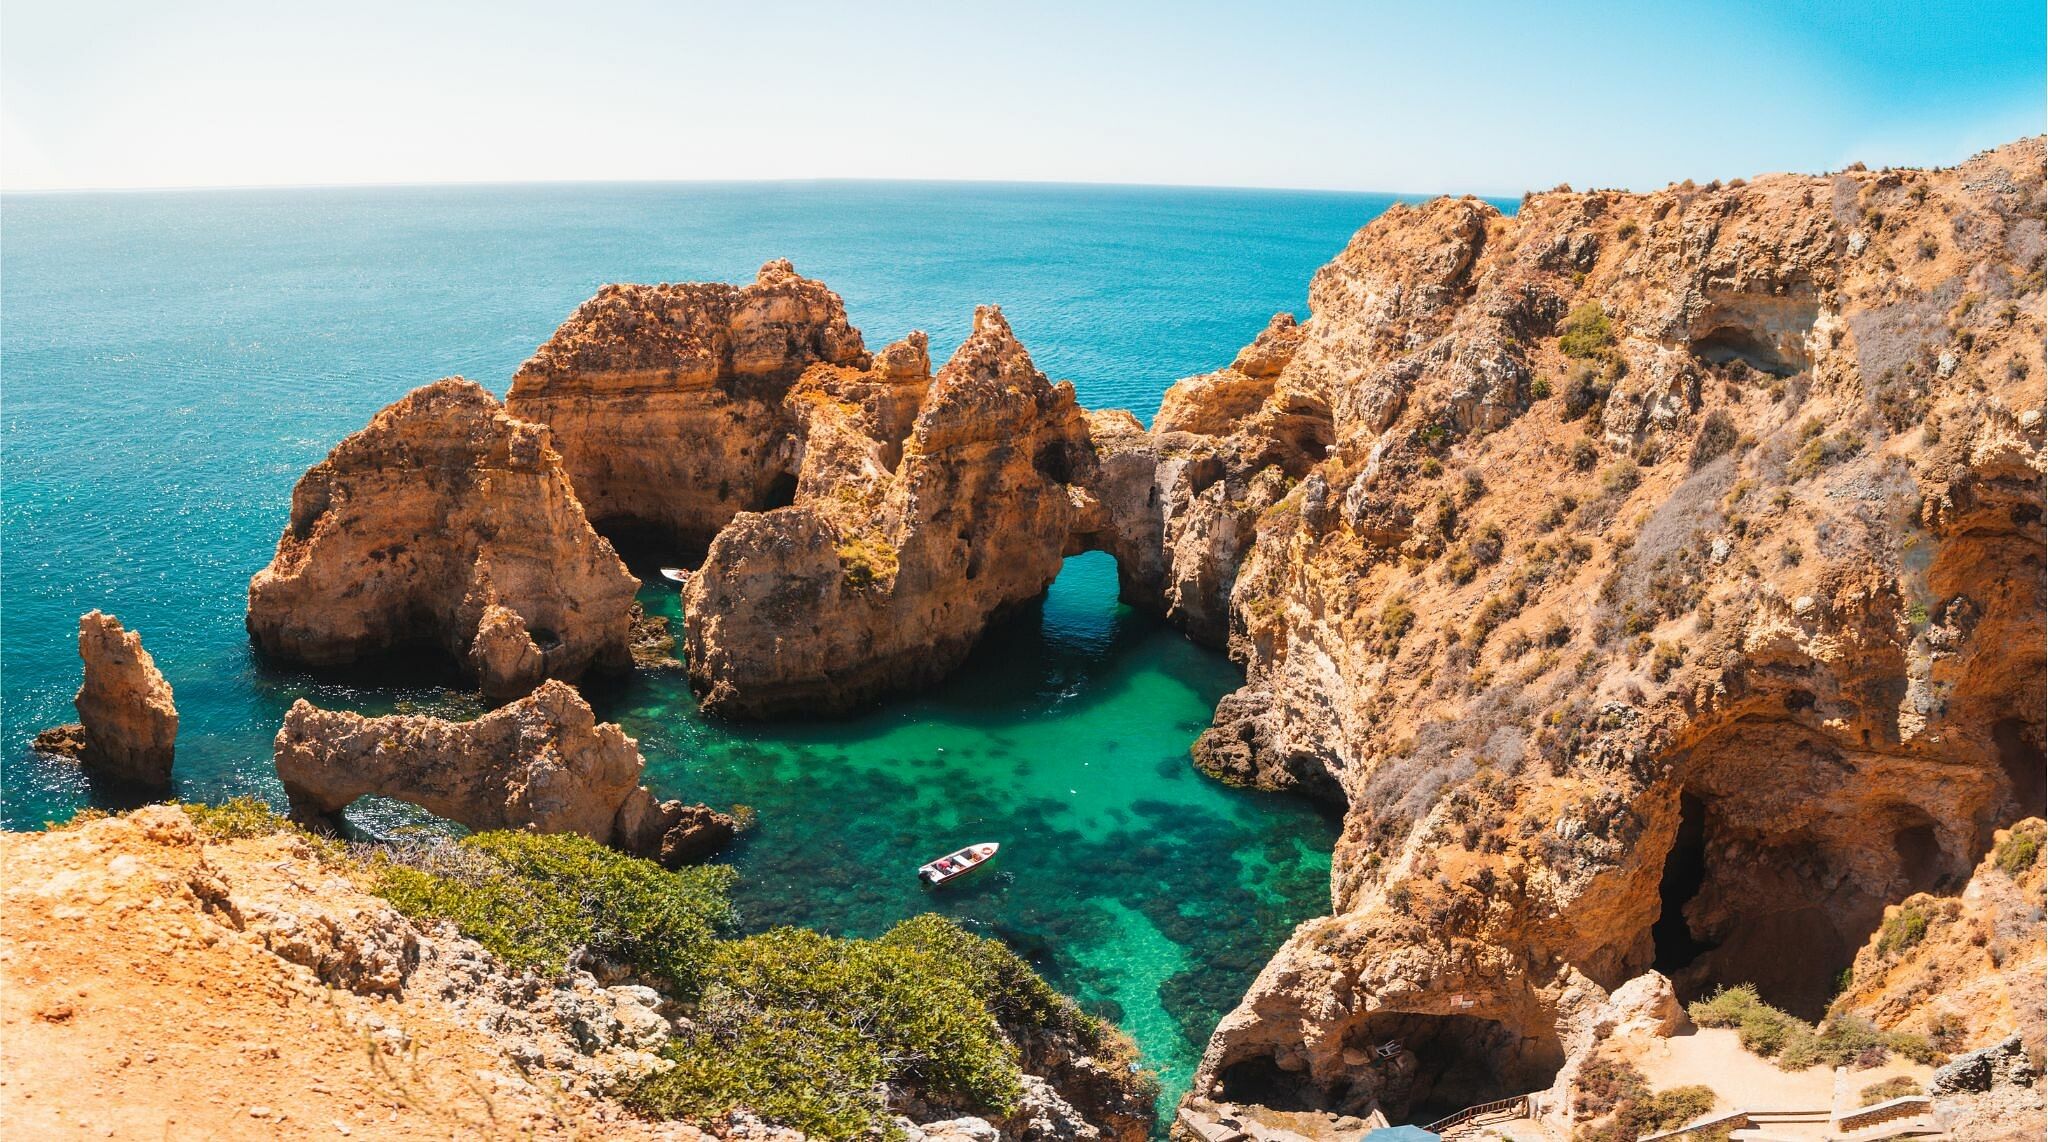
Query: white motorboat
{"type": "Point", "coordinates": [955, 865]}
{"type": "Point", "coordinates": [676, 575]}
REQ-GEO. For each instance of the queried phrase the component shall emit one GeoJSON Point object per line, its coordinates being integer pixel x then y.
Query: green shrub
{"type": "Point", "coordinates": [237, 818]}
{"type": "Point", "coordinates": [1796, 1044]}
{"type": "Point", "coordinates": [1763, 1029]}
{"type": "Point", "coordinates": [1898, 1086]}
{"type": "Point", "coordinates": [1584, 390]}
{"type": "Point", "coordinates": [1639, 1116]}
{"type": "Point", "coordinates": [1605, 1083]}
{"type": "Point", "coordinates": [1905, 927]}
{"type": "Point", "coordinates": [806, 1029]}
{"type": "Point", "coordinates": [1621, 477]}
{"type": "Point", "coordinates": [1820, 451]}
{"type": "Point", "coordinates": [866, 560]}
{"type": "Point", "coordinates": [1716, 437]}
{"type": "Point", "coordinates": [1586, 333]}
{"type": "Point", "coordinates": [535, 899]}
{"type": "Point", "coordinates": [2018, 851]}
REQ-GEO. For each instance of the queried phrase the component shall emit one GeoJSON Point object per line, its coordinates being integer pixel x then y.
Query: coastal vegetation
{"type": "Point", "coordinates": [808, 1031]}
{"type": "Point", "coordinates": [1795, 1044]}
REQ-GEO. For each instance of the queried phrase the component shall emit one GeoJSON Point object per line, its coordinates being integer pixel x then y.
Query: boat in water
{"type": "Point", "coordinates": [676, 575]}
{"type": "Point", "coordinates": [955, 865]}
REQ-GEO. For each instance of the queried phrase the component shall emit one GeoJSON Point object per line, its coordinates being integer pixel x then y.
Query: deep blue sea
{"type": "Point", "coordinates": [170, 363]}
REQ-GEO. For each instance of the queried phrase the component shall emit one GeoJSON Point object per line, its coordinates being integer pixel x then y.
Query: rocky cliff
{"type": "Point", "coordinates": [1963, 967]}
{"type": "Point", "coordinates": [898, 550]}
{"type": "Point", "coordinates": [127, 730]}
{"type": "Point", "coordinates": [1670, 596]}
{"type": "Point", "coordinates": [862, 520]}
{"type": "Point", "coordinates": [666, 401]}
{"type": "Point", "coordinates": [543, 763]}
{"type": "Point", "coordinates": [449, 524]}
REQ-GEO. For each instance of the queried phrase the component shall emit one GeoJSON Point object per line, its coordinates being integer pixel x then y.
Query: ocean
{"type": "Point", "coordinates": [170, 363]}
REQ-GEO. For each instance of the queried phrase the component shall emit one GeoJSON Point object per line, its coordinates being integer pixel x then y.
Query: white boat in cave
{"type": "Point", "coordinates": [676, 575]}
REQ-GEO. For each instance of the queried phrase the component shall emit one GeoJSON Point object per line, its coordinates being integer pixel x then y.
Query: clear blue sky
{"type": "Point", "coordinates": [1421, 96]}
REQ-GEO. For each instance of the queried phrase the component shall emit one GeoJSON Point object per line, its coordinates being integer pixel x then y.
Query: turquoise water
{"type": "Point", "coordinates": [171, 363]}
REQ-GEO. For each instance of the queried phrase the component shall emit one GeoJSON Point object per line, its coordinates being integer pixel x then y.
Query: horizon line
{"type": "Point", "coordinates": [187, 188]}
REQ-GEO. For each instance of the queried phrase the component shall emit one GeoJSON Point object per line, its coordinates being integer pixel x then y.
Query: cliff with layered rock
{"type": "Point", "coordinates": [899, 549]}
{"type": "Point", "coordinates": [543, 763]}
{"type": "Point", "coordinates": [445, 523]}
{"type": "Point", "coordinates": [1670, 596]}
{"type": "Point", "coordinates": [127, 733]}
{"type": "Point", "coordinates": [1963, 967]}
{"type": "Point", "coordinates": [862, 519]}
{"type": "Point", "coordinates": [666, 401]}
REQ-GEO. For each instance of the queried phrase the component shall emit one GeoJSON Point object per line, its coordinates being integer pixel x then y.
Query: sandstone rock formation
{"type": "Point", "coordinates": [128, 724]}
{"type": "Point", "coordinates": [171, 982]}
{"type": "Point", "coordinates": [543, 763]}
{"type": "Point", "coordinates": [1670, 596]}
{"type": "Point", "coordinates": [666, 401]}
{"type": "Point", "coordinates": [898, 550]}
{"type": "Point", "coordinates": [1964, 968]}
{"type": "Point", "coordinates": [445, 523]}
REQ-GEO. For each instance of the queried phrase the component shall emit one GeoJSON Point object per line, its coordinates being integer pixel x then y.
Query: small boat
{"type": "Point", "coordinates": [676, 575]}
{"type": "Point", "coordinates": [953, 866]}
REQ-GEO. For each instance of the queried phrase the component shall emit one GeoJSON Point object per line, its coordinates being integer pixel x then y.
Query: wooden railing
{"type": "Point", "coordinates": [1522, 1104]}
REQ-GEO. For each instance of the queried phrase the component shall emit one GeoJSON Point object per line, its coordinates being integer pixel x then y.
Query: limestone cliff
{"type": "Point", "coordinates": [666, 401]}
{"type": "Point", "coordinates": [445, 523]}
{"type": "Point", "coordinates": [543, 763]}
{"type": "Point", "coordinates": [896, 554]}
{"type": "Point", "coordinates": [1670, 596]}
{"type": "Point", "coordinates": [1965, 968]}
{"type": "Point", "coordinates": [127, 730]}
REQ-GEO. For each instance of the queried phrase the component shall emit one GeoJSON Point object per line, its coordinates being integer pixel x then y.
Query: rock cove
{"type": "Point", "coordinates": [1784, 435]}
{"type": "Point", "coordinates": [1652, 581]}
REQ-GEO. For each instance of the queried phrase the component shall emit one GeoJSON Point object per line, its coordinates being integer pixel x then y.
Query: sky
{"type": "Point", "coordinates": [1423, 96]}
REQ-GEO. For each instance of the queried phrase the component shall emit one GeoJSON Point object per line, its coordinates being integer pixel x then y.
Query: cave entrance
{"type": "Point", "coordinates": [781, 492]}
{"type": "Point", "coordinates": [1420, 1068]}
{"type": "Point", "coordinates": [1260, 1081]}
{"type": "Point", "coordinates": [645, 547]}
{"type": "Point", "coordinates": [1781, 911]}
{"type": "Point", "coordinates": [1685, 873]}
{"type": "Point", "coordinates": [1728, 343]}
{"type": "Point", "coordinates": [2025, 762]}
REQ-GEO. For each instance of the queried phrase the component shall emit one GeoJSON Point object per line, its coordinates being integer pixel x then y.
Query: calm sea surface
{"type": "Point", "coordinates": [170, 363]}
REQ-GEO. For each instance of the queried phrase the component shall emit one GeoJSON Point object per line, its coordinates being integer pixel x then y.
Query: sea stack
{"type": "Point", "coordinates": [666, 400]}
{"type": "Point", "coordinates": [898, 552]}
{"type": "Point", "coordinates": [128, 725]}
{"type": "Point", "coordinates": [445, 523]}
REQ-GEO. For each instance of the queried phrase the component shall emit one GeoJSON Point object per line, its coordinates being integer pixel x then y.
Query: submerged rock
{"type": "Point", "coordinates": [127, 730]}
{"type": "Point", "coordinates": [543, 763]}
{"type": "Point", "coordinates": [446, 523]}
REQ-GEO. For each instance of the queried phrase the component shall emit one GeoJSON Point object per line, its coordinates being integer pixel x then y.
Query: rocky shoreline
{"type": "Point", "coordinates": [1654, 581]}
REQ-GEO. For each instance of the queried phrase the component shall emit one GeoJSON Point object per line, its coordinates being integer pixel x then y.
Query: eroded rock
{"type": "Point", "coordinates": [448, 523]}
{"type": "Point", "coordinates": [127, 730]}
{"type": "Point", "coordinates": [543, 763]}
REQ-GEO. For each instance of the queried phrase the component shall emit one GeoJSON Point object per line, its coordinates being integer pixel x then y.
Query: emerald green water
{"type": "Point", "coordinates": [174, 362]}
{"type": "Point", "coordinates": [1150, 891]}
